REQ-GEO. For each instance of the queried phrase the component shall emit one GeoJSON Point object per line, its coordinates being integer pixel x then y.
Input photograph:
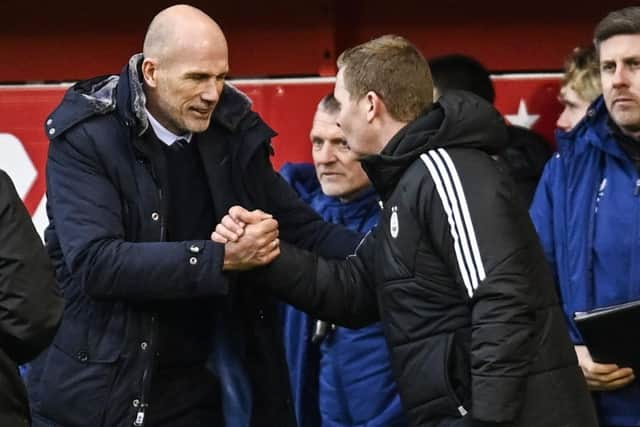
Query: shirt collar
{"type": "Point", "coordinates": [164, 134]}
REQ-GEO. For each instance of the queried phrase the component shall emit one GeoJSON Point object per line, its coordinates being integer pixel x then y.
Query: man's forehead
{"type": "Point", "coordinates": [325, 125]}
{"type": "Point", "coordinates": [339, 88]}
{"type": "Point", "coordinates": [567, 94]}
{"type": "Point", "coordinates": [205, 66]}
{"type": "Point", "coordinates": [562, 94]}
{"type": "Point", "coordinates": [325, 116]}
{"type": "Point", "coordinates": [625, 45]}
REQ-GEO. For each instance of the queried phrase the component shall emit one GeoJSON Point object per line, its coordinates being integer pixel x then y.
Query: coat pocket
{"type": "Point", "coordinates": [75, 390]}
{"type": "Point", "coordinates": [428, 388]}
{"type": "Point", "coordinates": [74, 386]}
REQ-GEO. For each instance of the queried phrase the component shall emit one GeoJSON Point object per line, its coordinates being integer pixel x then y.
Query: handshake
{"type": "Point", "coordinates": [250, 239]}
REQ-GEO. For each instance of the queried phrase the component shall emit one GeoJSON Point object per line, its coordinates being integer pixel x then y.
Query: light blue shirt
{"type": "Point", "coordinates": [164, 134]}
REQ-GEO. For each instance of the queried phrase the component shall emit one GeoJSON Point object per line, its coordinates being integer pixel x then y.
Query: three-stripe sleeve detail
{"type": "Point", "coordinates": [449, 187]}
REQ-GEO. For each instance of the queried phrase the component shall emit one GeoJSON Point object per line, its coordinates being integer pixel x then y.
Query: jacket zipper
{"type": "Point", "coordinates": [147, 374]}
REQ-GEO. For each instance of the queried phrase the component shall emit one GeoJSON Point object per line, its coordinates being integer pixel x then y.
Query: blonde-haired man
{"type": "Point", "coordinates": [586, 212]}
{"type": "Point", "coordinates": [454, 269]}
{"type": "Point", "coordinates": [580, 87]}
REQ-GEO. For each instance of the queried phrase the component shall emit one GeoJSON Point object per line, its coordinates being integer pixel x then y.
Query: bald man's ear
{"type": "Point", "coordinates": [149, 72]}
{"type": "Point", "coordinates": [374, 105]}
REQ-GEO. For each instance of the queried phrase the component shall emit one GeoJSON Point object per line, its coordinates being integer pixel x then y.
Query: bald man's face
{"type": "Point", "coordinates": [185, 84]}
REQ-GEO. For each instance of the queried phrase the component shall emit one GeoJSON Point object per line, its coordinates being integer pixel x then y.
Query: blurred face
{"type": "Point", "coordinates": [574, 110]}
{"type": "Point", "coordinates": [620, 76]}
{"type": "Point", "coordinates": [337, 168]}
{"type": "Point", "coordinates": [185, 86]}
{"type": "Point", "coordinates": [352, 119]}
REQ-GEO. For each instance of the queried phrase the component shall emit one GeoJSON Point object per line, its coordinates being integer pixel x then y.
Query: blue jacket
{"type": "Point", "coordinates": [347, 380]}
{"type": "Point", "coordinates": [586, 211]}
{"type": "Point", "coordinates": [107, 206]}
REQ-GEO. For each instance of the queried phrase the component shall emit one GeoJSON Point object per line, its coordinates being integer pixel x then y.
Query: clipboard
{"type": "Point", "coordinates": [612, 333]}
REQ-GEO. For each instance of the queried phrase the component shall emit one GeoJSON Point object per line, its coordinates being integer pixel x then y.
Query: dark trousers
{"type": "Point", "coordinates": [185, 397]}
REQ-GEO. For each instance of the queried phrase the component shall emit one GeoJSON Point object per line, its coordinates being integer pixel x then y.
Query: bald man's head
{"type": "Point", "coordinates": [185, 64]}
{"type": "Point", "coordinates": [177, 26]}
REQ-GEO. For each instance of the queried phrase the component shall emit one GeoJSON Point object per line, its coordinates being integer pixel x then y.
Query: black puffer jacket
{"type": "Point", "coordinates": [525, 157]}
{"type": "Point", "coordinates": [456, 274]}
{"type": "Point", "coordinates": [30, 303]}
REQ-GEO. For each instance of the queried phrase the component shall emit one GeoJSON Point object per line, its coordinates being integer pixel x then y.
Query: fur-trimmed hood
{"type": "Point", "coordinates": [102, 95]}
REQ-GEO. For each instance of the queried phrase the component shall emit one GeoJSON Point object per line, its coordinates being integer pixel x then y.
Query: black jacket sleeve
{"type": "Point", "coordinates": [340, 292]}
{"type": "Point", "coordinates": [299, 224]}
{"type": "Point", "coordinates": [484, 235]}
{"type": "Point", "coordinates": [30, 303]}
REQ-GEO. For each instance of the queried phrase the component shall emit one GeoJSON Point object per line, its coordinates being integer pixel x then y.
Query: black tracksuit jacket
{"type": "Point", "coordinates": [456, 274]}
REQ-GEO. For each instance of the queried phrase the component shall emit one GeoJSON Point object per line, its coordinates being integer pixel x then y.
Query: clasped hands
{"type": "Point", "coordinates": [250, 238]}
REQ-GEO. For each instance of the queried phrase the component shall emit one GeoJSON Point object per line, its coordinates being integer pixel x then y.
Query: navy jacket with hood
{"type": "Point", "coordinates": [586, 211]}
{"type": "Point", "coordinates": [107, 205]}
{"type": "Point", "coordinates": [346, 379]}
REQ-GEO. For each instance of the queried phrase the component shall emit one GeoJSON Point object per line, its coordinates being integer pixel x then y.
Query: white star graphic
{"type": "Point", "coordinates": [523, 118]}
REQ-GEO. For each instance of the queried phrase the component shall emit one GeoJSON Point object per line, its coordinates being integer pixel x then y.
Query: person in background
{"type": "Point", "coordinates": [30, 302]}
{"type": "Point", "coordinates": [141, 167]}
{"type": "Point", "coordinates": [580, 86]}
{"type": "Point", "coordinates": [342, 374]}
{"type": "Point", "coordinates": [527, 152]}
{"type": "Point", "coordinates": [587, 210]}
{"type": "Point", "coordinates": [453, 270]}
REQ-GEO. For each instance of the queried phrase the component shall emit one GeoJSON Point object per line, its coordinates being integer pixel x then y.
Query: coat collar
{"type": "Point", "coordinates": [458, 120]}
{"type": "Point", "coordinates": [595, 130]}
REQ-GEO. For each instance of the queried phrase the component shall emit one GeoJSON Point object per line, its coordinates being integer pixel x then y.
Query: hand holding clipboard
{"type": "Point", "coordinates": [612, 351]}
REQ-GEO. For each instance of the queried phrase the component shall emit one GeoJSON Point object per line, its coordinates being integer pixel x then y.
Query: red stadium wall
{"type": "Point", "coordinates": [69, 40]}
{"type": "Point", "coordinates": [286, 104]}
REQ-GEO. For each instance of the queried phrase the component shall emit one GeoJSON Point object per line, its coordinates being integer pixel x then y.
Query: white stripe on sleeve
{"type": "Point", "coordinates": [450, 191]}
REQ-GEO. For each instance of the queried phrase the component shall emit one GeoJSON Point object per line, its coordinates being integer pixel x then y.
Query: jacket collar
{"type": "Point", "coordinates": [458, 120]}
{"type": "Point", "coordinates": [593, 131]}
{"type": "Point", "coordinates": [232, 107]}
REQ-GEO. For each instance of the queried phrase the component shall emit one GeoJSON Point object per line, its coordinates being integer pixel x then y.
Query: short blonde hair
{"type": "Point", "coordinates": [582, 73]}
{"type": "Point", "coordinates": [393, 68]}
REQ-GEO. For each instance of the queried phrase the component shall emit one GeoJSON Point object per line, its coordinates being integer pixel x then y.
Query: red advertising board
{"type": "Point", "coordinates": [287, 105]}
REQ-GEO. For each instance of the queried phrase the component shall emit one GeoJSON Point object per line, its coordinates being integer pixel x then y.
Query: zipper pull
{"type": "Point", "coordinates": [139, 418]}
{"type": "Point", "coordinates": [636, 192]}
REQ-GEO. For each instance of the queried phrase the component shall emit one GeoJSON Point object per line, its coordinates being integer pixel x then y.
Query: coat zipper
{"type": "Point", "coordinates": [147, 374]}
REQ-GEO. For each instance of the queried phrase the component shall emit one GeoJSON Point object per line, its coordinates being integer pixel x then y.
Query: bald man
{"type": "Point", "coordinates": [158, 329]}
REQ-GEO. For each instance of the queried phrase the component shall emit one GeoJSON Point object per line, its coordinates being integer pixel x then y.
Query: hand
{"type": "Point", "coordinates": [602, 377]}
{"type": "Point", "coordinates": [258, 245]}
{"type": "Point", "coordinates": [231, 228]}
